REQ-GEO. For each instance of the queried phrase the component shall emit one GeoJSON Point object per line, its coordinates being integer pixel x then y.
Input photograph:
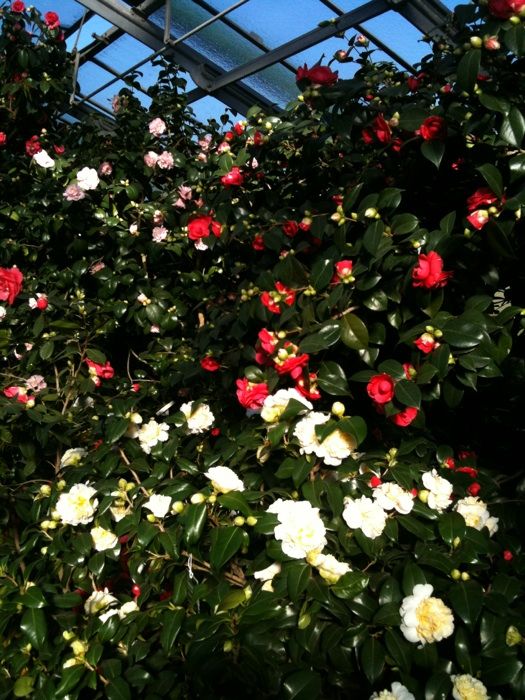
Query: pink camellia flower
{"type": "Point", "coordinates": [36, 383]}
{"type": "Point", "coordinates": [185, 194]}
{"type": "Point", "coordinates": [223, 147]}
{"type": "Point", "coordinates": [39, 302]}
{"type": "Point", "coordinates": [205, 143]}
{"type": "Point", "coordinates": [157, 127]}
{"type": "Point", "coordinates": [433, 129]}
{"type": "Point", "coordinates": [317, 75]}
{"type": "Point", "coordinates": [380, 388]}
{"type": "Point", "coordinates": [404, 417]}
{"type": "Point", "coordinates": [11, 280]}
{"type": "Point", "coordinates": [428, 272]}
{"type": "Point", "coordinates": [74, 193]}
{"type": "Point", "coordinates": [251, 395]}
{"type": "Point", "coordinates": [491, 43]}
{"type": "Point", "coordinates": [159, 233]}
{"type": "Point", "coordinates": [478, 218]}
{"type": "Point", "coordinates": [234, 178]}
{"type": "Point", "coordinates": [202, 227]}
{"type": "Point", "coordinates": [105, 169]}
{"type": "Point", "coordinates": [150, 159]}
{"type": "Point", "coordinates": [18, 6]}
{"type": "Point", "coordinates": [165, 160]}
{"type": "Point", "coordinates": [210, 364]}
{"type": "Point", "coordinates": [426, 343]}
{"type": "Point", "coordinates": [272, 299]}
{"type": "Point", "coordinates": [52, 20]}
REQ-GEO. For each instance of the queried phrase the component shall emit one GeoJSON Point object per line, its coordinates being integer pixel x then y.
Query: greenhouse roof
{"type": "Point", "coordinates": [236, 54]}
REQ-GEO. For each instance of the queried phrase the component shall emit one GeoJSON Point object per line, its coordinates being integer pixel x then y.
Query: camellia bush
{"type": "Point", "coordinates": [260, 404]}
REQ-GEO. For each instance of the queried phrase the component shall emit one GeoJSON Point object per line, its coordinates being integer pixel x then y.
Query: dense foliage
{"type": "Point", "coordinates": [261, 381]}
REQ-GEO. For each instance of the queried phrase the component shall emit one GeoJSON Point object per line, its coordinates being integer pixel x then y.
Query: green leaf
{"type": "Point", "coordinates": [332, 379]}
{"type": "Point", "coordinates": [462, 334]}
{"type": "Point", "coordinates": [433, 151]}
{"type": "Point", "coordinates": [194, 519]}
{"type": "Point", "coordinates": [517, 167]}
{"type": "Point", "coordinates": [34, 625]}
{"type": "Point", "coordinates": [115, 428]}
{"type": "Point", "coordinates": [234, 500]}
{"type": "Point", "coordinates": [514, 39]}
{"type": "Point", "coordinates": [495, 104]}
{"type": "Point", "coordinates": [96, 356]}
{"type": "Point", "coordinates": [225, 542]}
{"type": "Point", "coordinates": [416, 527]}
{"type": "Point", "coordinates": [403, 224]}
{"type": "Point", "coordinates": [146, 531]}
{"type": "Point", "coordinates": [354, 426]}
{"type": "Point", "coordinates": [468, 661]}
{"type": "Point", "coordinates": [467, 600]}
{"type": "Point", "coordinates": [412, 117]}
{"type": "Point", "coordinates": [47, 350]}
{"type": "Point", "coordinates": [372, 659]}
{"type": "Point", "coordinates": [408, 393]}
{"type": "Point", "coordinates": [468, 69]}
{"type": "Point", "coordinates": [118, 689]}
{"type": "Point", "coordinates": [354, 332]}
{"type": "Point", "coordinates": [322, 272]}
{"type": "Point", "coordinates": [32, 598]}
{"type": "Point", "coordinates": [438, 686]}
{"type": "Point", "coordinates": [513, 128]}
{"type": "Point", "coordinates": [350, 585]}
{"type": "Point", "coordinates": [399, 649]}
{"type": "Point", "coordinates": [412, 575]}
{"type": "Point", "coordinates": [373, 236]}
{"type": "Point", "coordinates": [171, 623]}
{"type": "Point", "coordinates": [70, 678]}
{"type": "Point", "coordinates": [23, 686]}
{"type": "Point", "coordinates": [450, 526]}
{"type": "Point", "coordinates": [492, 177]}
{"type": "Point", "coordinates": [302, 685]}
{"type": "Point", "coordinates": [388, 615]}
{"type": "Point", "coordinates": [500, 670]}
{"type": "Point", "coordinates": [324, 338]}
{"type": "Point", "coordinates": [297, 577]}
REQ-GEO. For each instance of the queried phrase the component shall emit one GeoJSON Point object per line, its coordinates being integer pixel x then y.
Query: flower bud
{"type": "Point", "coordinates": [239, 521]}
{"type": "Point", "coordinates": [338, 409]}
{"type": "Point", "coordinates": [45, 489]}
{"type": "Point", "coordinates": [465, 576]}
{"type": "Point", "coordinates": [248, 592]}
{"type": "Point", "coordinates": [455, 574]}
{"type": "Point", "coordinates": [476, 42]}
{"type": "Point", "coordinates": [177, 507]}
{"type": "Point", "coordinates": [304, 621]}
{"type": "Point", "coordinates": [423, 495]}
{"type": "Point", "coordinates": [197, 498]}
{"type": "Point", "coordinates": [150, 518]}
{"type": "Point", "coordinates": [227, 646]}
{"type": "Point", "coordinates": [456, 542]}
{"type": "Point", "coordinates": [212, 499]}
{"type": "Point", "coordinates": [251, 521]}
{"type": "Point", "coordinates": [513, 636]}
{"type": "Point", "coordinates": [371, 213]}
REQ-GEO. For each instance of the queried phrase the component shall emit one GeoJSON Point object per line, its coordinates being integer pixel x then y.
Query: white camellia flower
{"type": "Point", "coordinates": [397, 692]}
{"type": "Point", "coordinates": [300, 528]}
{"type": "Point", "coordinates": [3, 312]}
{"type": "Point", "coordinates": [333, 449]}
{"type": "Point", "coordinates": [127, 608]}
{"type": "Point", "coordinates": [476, 514]}
{"type": "Point", "coordinates": [199, 419]}
{"type": "Point", "coordinates": [224, 479]}
{"type": "Point", "coordinates": [328, 566]}
{"type": "Point", "coordinates": [77, 506]}
{"type": "Point", "coordinates": [391, 496]}
{"type": "Point", "coordinates": [103, 539]}
{"type": "Point", "coordinates": [466, 687]}
{"type": "Point", "coordinates": [440, 490]}
{"type": "Point", "coordinates": [106, 615]}
{"type": "Point", "coordinates": [151, 433]}
{"type": "Point", "coordinates": [99, 600]}
{"type": "Point", "coordinates": [362, 513]}
{"type": "Point", "coordinates": [267, 575]}
{"type": "Point", "coordinates": [87, 179]}
{"type": "Point", "coordinates": [73, 457]}
{"type": "Point", "coordinates": [43, 159]}
{"type": "Point", "coordinates": [425, 619]}
{"type": "Point", "coordinates": [275, 405]}
{"type": "Point", "coordinates": [158, 505]}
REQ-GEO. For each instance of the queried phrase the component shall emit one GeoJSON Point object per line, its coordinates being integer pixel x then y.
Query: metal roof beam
{"type": "Point", "coordinates": [201, 69]}
{"type": "Point", "coordinates": [429, 16]}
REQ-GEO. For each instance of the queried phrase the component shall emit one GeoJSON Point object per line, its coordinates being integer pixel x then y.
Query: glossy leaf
{"type": "Point", "coordinates": [225, 542]}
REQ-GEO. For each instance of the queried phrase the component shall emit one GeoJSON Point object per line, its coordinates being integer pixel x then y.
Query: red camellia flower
{"type": "Point", "coordinates": [374, 482]}
{"type": "Point", "coordinates": [307, 386]}
{"type": "Point", "coordinates": [3, 138]}
{"type": "Point", "coordinates": [426, 343]}
{"type": "Point", "coordinates": [290, 228]}
{"type": "Point", "coordinates": [473, 473]}
{"type": "Point", "coordinates": [343, 272]}
{"type": "Point", "coordinates": [481, 197]}
{"type": "Point", "coordinates": [478, 218]}
{"type": "Point", "coordinates": [104, 371]}
{"type": "Point", "coordinates": [18, 6]}
{"type": "Point", "coordinates": [449, 463]}
{"type": "Point", "coordinates": [503, 9]}
{"type": "Point", "coordinates": [272, 299]}
{"type": "Point", "coordinates": [33, 146]}
{"type": "Point", "coordinates": [410, 371]}
{"type": "Point", "coordinates": [404, 417]}
{"type": "Point", "coordinates": [474, 489]}
{"type": "Point", "coordinates": [52, 20]}
{"type": "Point", "coordinates": [318, 75]}
{"type": "Point", "coordinates": [17, 392]}
{"type": "Point", "coordinates": [234, 178]}
{"type": "Point", "coordinates": [381, 129]}
{"type": "Point", "coordinates": [202, 226]}
{"type": "Point", "coordinates": [251, 395]}
{"type": "Point", "coordinates": [210, 364]}
{"type": "Point", "coordinates": [433, 129]}
{"type": "Point", "coordinates": [10, 283]}
{"type": "Point", "coordinates": [428, 272]}
{"type": "Point", "coordinates": [508, 555]}
{"type": "Point", "coordinates": [414, 82]}
{"type": "Point", "coordinates": [239, 128]}
{"type": "Point", "coordinates": [381, 388]}
{"type": "Point", "coordinates": [268, 340]}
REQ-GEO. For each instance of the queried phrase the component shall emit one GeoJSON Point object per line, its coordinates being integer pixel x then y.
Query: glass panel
{"type": "Point", "coordinates": [68, 11]}
{"type": "Point", "coordinates": [84, 36]}
{"type": "Point", "coordinates": [208, 108]}
{"type": "Point", "coordinates": [400, 35]}
{"type": "Point", "coordinates": [91, 77]}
